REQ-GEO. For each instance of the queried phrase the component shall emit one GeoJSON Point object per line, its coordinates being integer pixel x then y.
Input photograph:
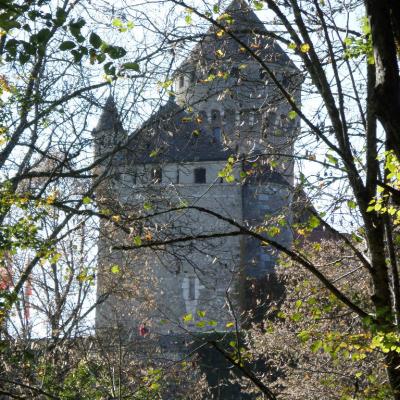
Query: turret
{"type": "Point", "coordinates": [231, 91]}
{"type": "Point", "coordinates": [109, 131]}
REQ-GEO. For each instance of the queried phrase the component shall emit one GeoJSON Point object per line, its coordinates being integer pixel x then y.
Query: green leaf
{"type": "Point", "coordinates": [132, 66]}
{"type": "Point", "coordinates": [43, 35]}
{"type": "Point", "coordinates": [115, 269]}
{"type": "Point", "coordinates": [115, 52]}
{"type": "Point", "coordinates": [116, 22]}
{"type": "Point", "coordinates": [298, 304]}
{"type": "Point", "coordinates": [67, 45]}
{"type": "Point", "coordinates": [55, 258]}
{"type": "Point", "coordinates": [316, 346]}
{"type": "Point", "coordinates": [61, 17]}
{"type": "Point", "coordinates": [331, 159]}
{"type": "Point", "coordinates": [351, 204]}
{"type": "Point", "coordinates": [147, 206]}
{"type": "Point", "coordinates": [201, 324]}
{"type": "Point", "coordinates": [154, 153]}
{"type": "Point", "coordinates": [137, 240]}
{"type": "Point", "coordinates": [258, 5]}
{"type": "Point", "coordinates": [86, 200]}
{"type": "Point", "coordinates": [201, 314]}
{"type": "Point", "coordinates": [155, 386]}
{"type": "Point", "coordinates": [75, 27]}
{"type": "Point", "coordinates": [187, 317]}
{"type": "Point", "coordinates": [188, 19]}
{"type": "Point", "coordinates": [304, 336]}
{"type": "Point", "coordinates": [292, 115]}
{"type": "Point", "coordinates": [313, 222]}
{"type": "Point", "coordinates": [109, 68]}
{"type": "Point", "coordinates": [95, 40]}
{"type": "Point", "coordinates": [24, 58]}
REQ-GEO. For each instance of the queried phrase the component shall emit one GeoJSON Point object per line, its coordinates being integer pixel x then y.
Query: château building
{"type": "Point", "coordinates": [222, 145]}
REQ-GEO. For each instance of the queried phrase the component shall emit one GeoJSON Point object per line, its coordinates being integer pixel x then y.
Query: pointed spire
{"type": "Point", "coordinates": [244, 16]}
{"type": "Point", "coordinates": [109, 118]}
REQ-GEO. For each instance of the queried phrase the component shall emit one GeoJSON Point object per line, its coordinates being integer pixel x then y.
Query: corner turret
{"type": "Point", "coordinates": [109, 131]}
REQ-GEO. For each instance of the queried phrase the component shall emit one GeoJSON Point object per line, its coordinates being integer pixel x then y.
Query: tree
{"type": "Point", "coordinates": [349, 130]}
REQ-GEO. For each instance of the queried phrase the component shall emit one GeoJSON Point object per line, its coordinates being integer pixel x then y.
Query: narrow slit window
{"type": "Point", "coordinates": [192, 288]}
{"type": "Point", "coordinates": [200, 175]}
{"type": "Point", "coordinates": [217, 133]}
{"type": "Point", "coordinates": [181, 81]}
{"type": "Point", "coordinates": [203, 117]}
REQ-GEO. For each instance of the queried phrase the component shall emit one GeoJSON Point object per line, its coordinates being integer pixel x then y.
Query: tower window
{"type": "Point", "coordinates": [234, 72]}
{"type": "Point", "coordinates": [156, 175]}
{"type": "Point", "coordinates": [200, 175]}
{"type": "Point", "coordinates": [203, 116]}
{"type": "Point", "coordinates": [215, 115]}
{"type": "Point", "coordinates": [217, 133]}
{"type": "Point", "coordinates": [263, 74]}
{"type": "Point", "coordinates": [192, 288]}
{"type": "Point", "coordinates": [251, 118]}
{"type": "Point", "coordinates": [181, 81]}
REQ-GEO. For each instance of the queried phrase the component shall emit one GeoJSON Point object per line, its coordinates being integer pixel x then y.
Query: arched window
{"type": "Point", "coordinates": [263, 74]}
{"type": "Point", "coordinates": [156, 175]}
{"type": "Point", "coordinates": [200, 175]}
{"type": "Point", "coordinates": [181, 81]}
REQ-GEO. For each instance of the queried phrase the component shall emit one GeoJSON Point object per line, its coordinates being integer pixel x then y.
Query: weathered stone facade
{"type": "Point", "coordinates": [225, 106]}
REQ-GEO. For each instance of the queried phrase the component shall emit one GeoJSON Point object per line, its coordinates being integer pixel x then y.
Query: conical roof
{"type": "Point", "coordinates": [109, 118]}
{"type": "Point", "coordinates": [173, 135]}
{"type": "Point", "coordinates": [240, 20]}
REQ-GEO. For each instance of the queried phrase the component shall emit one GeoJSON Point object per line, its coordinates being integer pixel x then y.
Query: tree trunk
{"type": "Point", "coordinates": [383, 20]}
{"type": "Point", "coordinates": [393, 370]}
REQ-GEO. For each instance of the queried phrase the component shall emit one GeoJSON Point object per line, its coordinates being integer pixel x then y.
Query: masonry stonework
{"type": "Point", "coordinates": [225, 108]}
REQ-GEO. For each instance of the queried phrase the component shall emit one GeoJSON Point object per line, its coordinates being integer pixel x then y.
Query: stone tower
{"type": "Point", "coordinates": [190, 262]}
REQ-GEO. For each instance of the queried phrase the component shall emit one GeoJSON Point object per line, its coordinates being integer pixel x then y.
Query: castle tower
{"type": "Point", "coordinates": [233, 93]}
{"type": "Point", "coordinates": [195, 264]}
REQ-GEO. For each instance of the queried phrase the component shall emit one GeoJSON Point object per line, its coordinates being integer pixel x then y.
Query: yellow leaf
{"type": "Point", "coordinates": [51, 198]}
{"type": "Point", "coordinates": [116, 218]}
{"type": "Point", "coordinates": [305, 48]}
